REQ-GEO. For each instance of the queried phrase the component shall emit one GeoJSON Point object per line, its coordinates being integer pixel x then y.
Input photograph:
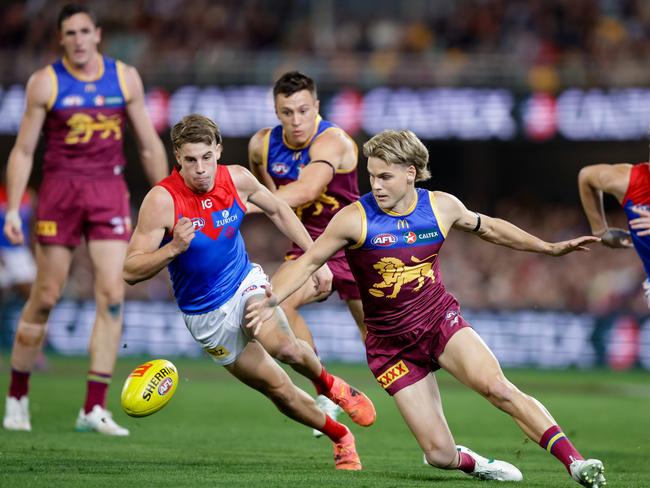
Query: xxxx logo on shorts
{"type": "Point", "coordinates": [392, 374]}
{"type": "Point", "coordinates": [219, 351]}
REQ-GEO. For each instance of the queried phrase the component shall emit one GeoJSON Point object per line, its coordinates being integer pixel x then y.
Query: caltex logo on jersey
{"type": "Point", "coordinates": [384, 240]}
{"type": "Point", "coordinates": [280, 168]}
{"type": "Point", "coordinates": [99, 101]}
{"type": "Point", "coordinates": [410, 237]}
{"type": "Point", "coordinates": [198, 223]}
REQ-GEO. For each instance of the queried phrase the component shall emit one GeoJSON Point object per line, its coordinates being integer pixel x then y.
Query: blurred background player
{"type": "Point", "coordinates": [17, 265]}
{"type": "Point", "coordinates": [311, 164]}
{"type": "Point", "coordinates": [190, 222]}
{"type": "Point", "coordinates": [630, 185]}
{"type": "Point", "coordinates": [414, 324]}
{"type": "Point", "coordinates": [81, 102]}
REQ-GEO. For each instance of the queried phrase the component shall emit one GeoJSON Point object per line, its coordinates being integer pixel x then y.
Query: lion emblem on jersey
{"type": "Point", "coordinates": [319, 204]}
{"type": "Point", "coordinates": [395, 273]}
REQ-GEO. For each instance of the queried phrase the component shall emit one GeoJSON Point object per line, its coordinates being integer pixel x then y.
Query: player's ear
{"type": "Point", "coordinates": [411, 173]}
{"type": "Point", "coordinates": [317, 105]}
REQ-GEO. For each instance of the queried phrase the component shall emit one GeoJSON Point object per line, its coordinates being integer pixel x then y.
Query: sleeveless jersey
{"type": "Point", "coordinates": [638, 195]}
{"type": "Point", "coordinates": [85, 122]}
{"type": "Point", "coordinates": [396, 266]}
{"type": "Point", "coordinates": [209, 272]}
{"type": "Point", "coordinates": [25, 211]}
{"type": "Point", "coordinates": [284, 162]}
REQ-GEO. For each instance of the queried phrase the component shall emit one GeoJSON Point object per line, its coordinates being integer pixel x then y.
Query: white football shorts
{"type": "Point", "coordinates": [221, 332]}
{"type": "Point", "coordinates": [17, 266]}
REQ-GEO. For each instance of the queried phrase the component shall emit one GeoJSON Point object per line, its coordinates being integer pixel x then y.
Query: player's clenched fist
{"type": "Point", "coordinates": [183, 235]}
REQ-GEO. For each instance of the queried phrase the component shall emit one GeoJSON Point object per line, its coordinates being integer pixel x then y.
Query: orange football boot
{"type": "Point", "coordinates": [353, 402]}
{"type": "Point", "coordinates": [345, 453]}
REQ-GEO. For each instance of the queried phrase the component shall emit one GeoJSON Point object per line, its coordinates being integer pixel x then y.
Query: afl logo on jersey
{"type": "Point", "coordinates": [72, 101]}
{"type": "Point", "coordinates": [99, 101]}
{"type": "Point", "coordinates": [384, 240]}
{"type": "Point", "coordinates": [198, 223]}
{"type": "Point", "coordinates": [280, 168]}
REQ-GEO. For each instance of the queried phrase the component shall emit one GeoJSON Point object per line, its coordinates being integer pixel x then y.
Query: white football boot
{"type": "Point", "coordinates": [588, 472]}
{"type": "Point", "coordinates": [329, 407]}
{"type": "Point", "coordinates": [17, 414]}
{"type": "Point", "coordinates": [99, 420]}
{"type": "Point", "coordinates": [491, 469]}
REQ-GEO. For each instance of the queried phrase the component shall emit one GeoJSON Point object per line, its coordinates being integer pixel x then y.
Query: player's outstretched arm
{"type": "Point", "coordinates": [498, 231]}
{"type": "Point", "coordinates": [326, 156]}
{"type": "Point", "coordinates": [593, 182]}
{"type": "Point", "coordinates": [144, 256]}
{"type": "Point", "coordinates": [343, 230]}
{"type": "Point", "coordinates": [251, 190]}
{"type": "Point", "coordinates": [21, 158]}
{"type": "Point", "coordinates": [152, 151]}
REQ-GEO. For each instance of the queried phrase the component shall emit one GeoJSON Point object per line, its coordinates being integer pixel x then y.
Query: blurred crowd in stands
{"type": "Point", "coordinates": [525, 44]}
{"type": "Point", "coordinates": [480, 274]}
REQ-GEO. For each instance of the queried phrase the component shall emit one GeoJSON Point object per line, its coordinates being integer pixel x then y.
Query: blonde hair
{"type": "Point", "coordinates": [195, 128]}
{"type": "Point", "coordinates": [400, 147]}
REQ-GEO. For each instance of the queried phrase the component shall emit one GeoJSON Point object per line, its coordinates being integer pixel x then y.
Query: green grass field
{"type": "Point", "coordinates": [217, 432]}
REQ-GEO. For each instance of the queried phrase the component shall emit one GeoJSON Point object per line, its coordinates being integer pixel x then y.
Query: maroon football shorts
{"type": "Point", "coordinates": [343, 281]}
{"type": "Point", "coordinates": [401, 360]}
{"type": "Point", "coordinates": [69, 208]}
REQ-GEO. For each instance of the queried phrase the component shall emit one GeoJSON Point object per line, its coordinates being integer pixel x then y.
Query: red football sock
{"type": "Point", "coordinates": [324, 382]}
{"type": "Point", "coordinates": [96, 392]}
{"type": "Point", "coordinates": [19, 385]}
{"type": "Point", "coordinates": [466, 462]}
{"type": "Point", "coordinates": [333, 429]}
{"type": "Point", "coordinates": [559, 445]}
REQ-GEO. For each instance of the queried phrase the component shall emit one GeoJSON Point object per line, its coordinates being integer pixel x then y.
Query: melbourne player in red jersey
{"type": "Point", "coordinates": [81, 103]}
{"type": "Point", "coordinates": [393, 238]}
{"type": "Point", "coordinates": [630, 185]}
{"type": "Point", "coordinates": [190, 223]}
{"type": "Point", "coordinates": [311, 164]}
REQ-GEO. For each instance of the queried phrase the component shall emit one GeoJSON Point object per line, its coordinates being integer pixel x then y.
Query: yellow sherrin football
{"type": "Point", "coordinates": [149, 387]}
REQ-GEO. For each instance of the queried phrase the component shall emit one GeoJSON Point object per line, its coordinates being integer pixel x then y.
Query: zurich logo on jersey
{"type": "Point", "coordinates": [280, 168]}
{"type": "Point", "coordinates": [226, 218]}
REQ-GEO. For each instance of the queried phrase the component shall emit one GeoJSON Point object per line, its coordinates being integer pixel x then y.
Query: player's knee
{"type": "Point", "coordinates": [499, 391]}
{"type": "Point", "coordinates": [444, 458]}
{"type": "Point", "coordinates": [46, 297]}
{"type": "Point", "coordinates": [110, 295]}
{"type": "Point", "coordinates": [290, 353]}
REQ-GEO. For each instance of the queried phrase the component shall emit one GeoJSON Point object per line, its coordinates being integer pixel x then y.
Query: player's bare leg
{"type": "Point", "coordinates": [53, 265]}
{"type": "Point", "coordinates": [421, 408]}
{"type": "Point", "coordinates": [469, 359]}
{"type": "Point", "coordinates": [301, 330]}
{"type": "Point", "coordinates": [107, 257]}
{"type": "Point", "coordinates": [257, 369]}
{"type": "Point", "coordinates": [277, 338]}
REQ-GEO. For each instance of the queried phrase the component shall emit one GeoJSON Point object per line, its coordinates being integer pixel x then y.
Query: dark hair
{"type": "Point", "coordinates": [293, 82]}
{"type": "Point", "coordinates": [71, 9]}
